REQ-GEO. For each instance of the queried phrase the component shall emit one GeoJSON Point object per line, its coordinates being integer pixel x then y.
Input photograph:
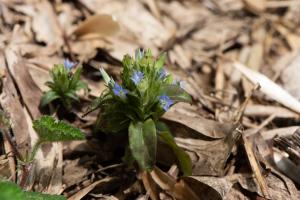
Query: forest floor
{"type": "Point", "coordinates": [238, 59]}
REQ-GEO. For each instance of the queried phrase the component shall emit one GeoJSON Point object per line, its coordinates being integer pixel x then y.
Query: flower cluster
{"type": "Point", "coordinates": [147, 91]}
{"type": "Point", "coordinates": [64, 85]}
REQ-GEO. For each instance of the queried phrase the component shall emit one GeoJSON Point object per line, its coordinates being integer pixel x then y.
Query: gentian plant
{"type": "Point", "coordinates": [135, 106]}
{"type": "Point", "coordinates": [64, 84]}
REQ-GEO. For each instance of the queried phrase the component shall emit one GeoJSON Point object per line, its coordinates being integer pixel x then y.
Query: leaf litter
{"type": "Point", "coordinates": [215, 47]}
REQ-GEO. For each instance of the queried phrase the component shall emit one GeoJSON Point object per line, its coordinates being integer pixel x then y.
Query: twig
{"type": "Point", "coordinates": [255, 167]}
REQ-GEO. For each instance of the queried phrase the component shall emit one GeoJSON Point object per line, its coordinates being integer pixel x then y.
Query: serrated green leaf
{"type": "Point", "coordinates": [50, 130]}
{"type": "Point", "coordinates": [48, 97]}
{"type": "Point", "coordinates": [183, 158]}
{"type": "Point", "coordinates": [9, 191]}
{"type": "Point", "coordinates": [41, 196]}
{"type": "Point", "coordinates": [143, 142]}
{"type": "Point", "coordinates": [176, 93]}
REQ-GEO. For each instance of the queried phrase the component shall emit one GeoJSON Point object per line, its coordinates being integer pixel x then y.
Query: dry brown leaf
{"type": "Point", "coordinates": [209, 157]}
{"type": "Point", "coordinates": [45, 24]}
{"type": "Point", "coordinates": [210, 187]}
{"type": "Point", "coordinates": [184, 122]}
{"type": "Point", "coordinates": [80, 194]}
{"type": "Point", "coordinates": [97, 25]}
{"type": "Point", "coordinates": [150, 185]}
{"type": "Point", "coordinates": [10, 102]}
{"type": "Point", "coordinates": [179, 190]}
{"type": "Point", "coordinates": [255, 6]}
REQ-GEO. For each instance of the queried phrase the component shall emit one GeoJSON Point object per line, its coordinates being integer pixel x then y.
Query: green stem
{"type": "Point", "coordinates": [34, 150]}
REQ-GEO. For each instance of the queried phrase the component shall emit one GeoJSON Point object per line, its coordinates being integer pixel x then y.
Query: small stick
{"type": "Point", "coordinates": [255, 167]}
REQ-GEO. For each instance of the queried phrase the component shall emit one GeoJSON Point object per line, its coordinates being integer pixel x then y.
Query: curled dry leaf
{"type": "Point", "coordinates": [97, 25]}
{"type": "Point", "coordinates": [178, 189]}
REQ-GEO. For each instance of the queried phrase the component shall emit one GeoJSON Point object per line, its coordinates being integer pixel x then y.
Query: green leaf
{"type": "Point", "coordinates": [75, 78]}
{"type": "Point", "coordinates": [143, 142]}
{"type": "Point", "coordinates": [176, 93]}
{"type": "Point", "coordinates": [50, 130]}
{"type": "Point", "coordinates": [48, 97]}
{"type": "Point", "coordinates": [105, 76]}
{"type": "Point", "coordinates": [183, 158]}
{"type": "Point", "coordinates": [41, 196]}
{"type": "Point", "coordinates": [9, 191]}
{"type": "Point", "coordinates": [160, 62]}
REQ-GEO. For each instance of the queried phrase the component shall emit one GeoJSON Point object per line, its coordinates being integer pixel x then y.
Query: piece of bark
{"type": "Point", "coordinates": [10, 102]}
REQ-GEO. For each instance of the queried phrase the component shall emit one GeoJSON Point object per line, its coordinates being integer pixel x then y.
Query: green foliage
{"type": "Point", "coordinates": [184, 160]}
{"type": "Point", "coordinates": [142, 143]}
{"type": "Point", "coordinates": [51, 130]}
{"type": "Point", "coordinates": [10, 191]}
{"type": "Point", "coordinates": [146, 93]}
{"type": "Point", "coordinates": [63, 86]}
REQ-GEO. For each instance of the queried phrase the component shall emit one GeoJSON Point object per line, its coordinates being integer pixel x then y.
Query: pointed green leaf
{"type": "Point", "coordinates": [48, 97]}
{"type": "Point", "coordinates": [176, 93]}
{"type": "Point", "coordinates": [50, 130]}
{"type": "Point", "coordinates": [143, 142]}
{"type": "Point", "coordinates": [105, 76]}
{"type": "Point", "coordinates": [71, 94]}
{"type": "Point", "coordinates": [75, 78]}
{"type": "Point", "coordinates": [160, 62]}
{"type": "Point", "coordinates": [183, 158]}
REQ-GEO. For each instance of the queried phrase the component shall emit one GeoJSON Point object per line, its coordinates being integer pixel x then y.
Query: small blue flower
{"type": "Point", "coordinates": [137, 77]}
{"type": "Point", "coordinates": [119, 90]}
{"type": "Point", "coordinates": [162, 73]}
{"type": "Point", "coordinates": [68, 64]}
{"type": "Point", "coordinates": [165, 102]}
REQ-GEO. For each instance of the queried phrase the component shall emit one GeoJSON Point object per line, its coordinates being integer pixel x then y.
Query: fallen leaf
{"type": "Point", "coordinates": [270, 88]}
{"type": "Point", "coordinates": [97, 25]}
{"type": "Point", "coordinates": [80, 194]}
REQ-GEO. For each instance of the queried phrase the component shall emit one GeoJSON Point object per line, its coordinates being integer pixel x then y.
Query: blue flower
{"type": "Point", "coordinates": [68, 64]}
{"type": "Point", "coordinates": [137, 77]}
{"type": "Point", "coordinates": [165, 102]}
{"type": "Point", "coordinates": [119, 90]}
{"type": "Point", "coordinates": [162, 73]}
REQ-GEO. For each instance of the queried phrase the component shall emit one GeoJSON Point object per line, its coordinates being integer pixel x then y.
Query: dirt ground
{"type": "Point", "coordinates": [238, 59]}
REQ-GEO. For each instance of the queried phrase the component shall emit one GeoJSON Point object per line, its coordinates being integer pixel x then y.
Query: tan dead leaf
{"type": "Point", "coordinates": [209, 157]}
{"type": "Point", "coordinates": [81, 193]}
{"type": "Point", "coordinates": [255, 6]}
{"type": "Point", "coordinates": [150, 185]}
{"type": "Point", "coordinates": [184, 121]}
{"type": "Point", "coordinates": [178, 189]}
{"type": "Point", "coordinates": [210, 187]}
{"type": "Point", "coordinates": [280, 187]}
{"type": "Point", "coordinates": [292, 39]}
{"type": "Point", "coordinates": [97, 25]}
